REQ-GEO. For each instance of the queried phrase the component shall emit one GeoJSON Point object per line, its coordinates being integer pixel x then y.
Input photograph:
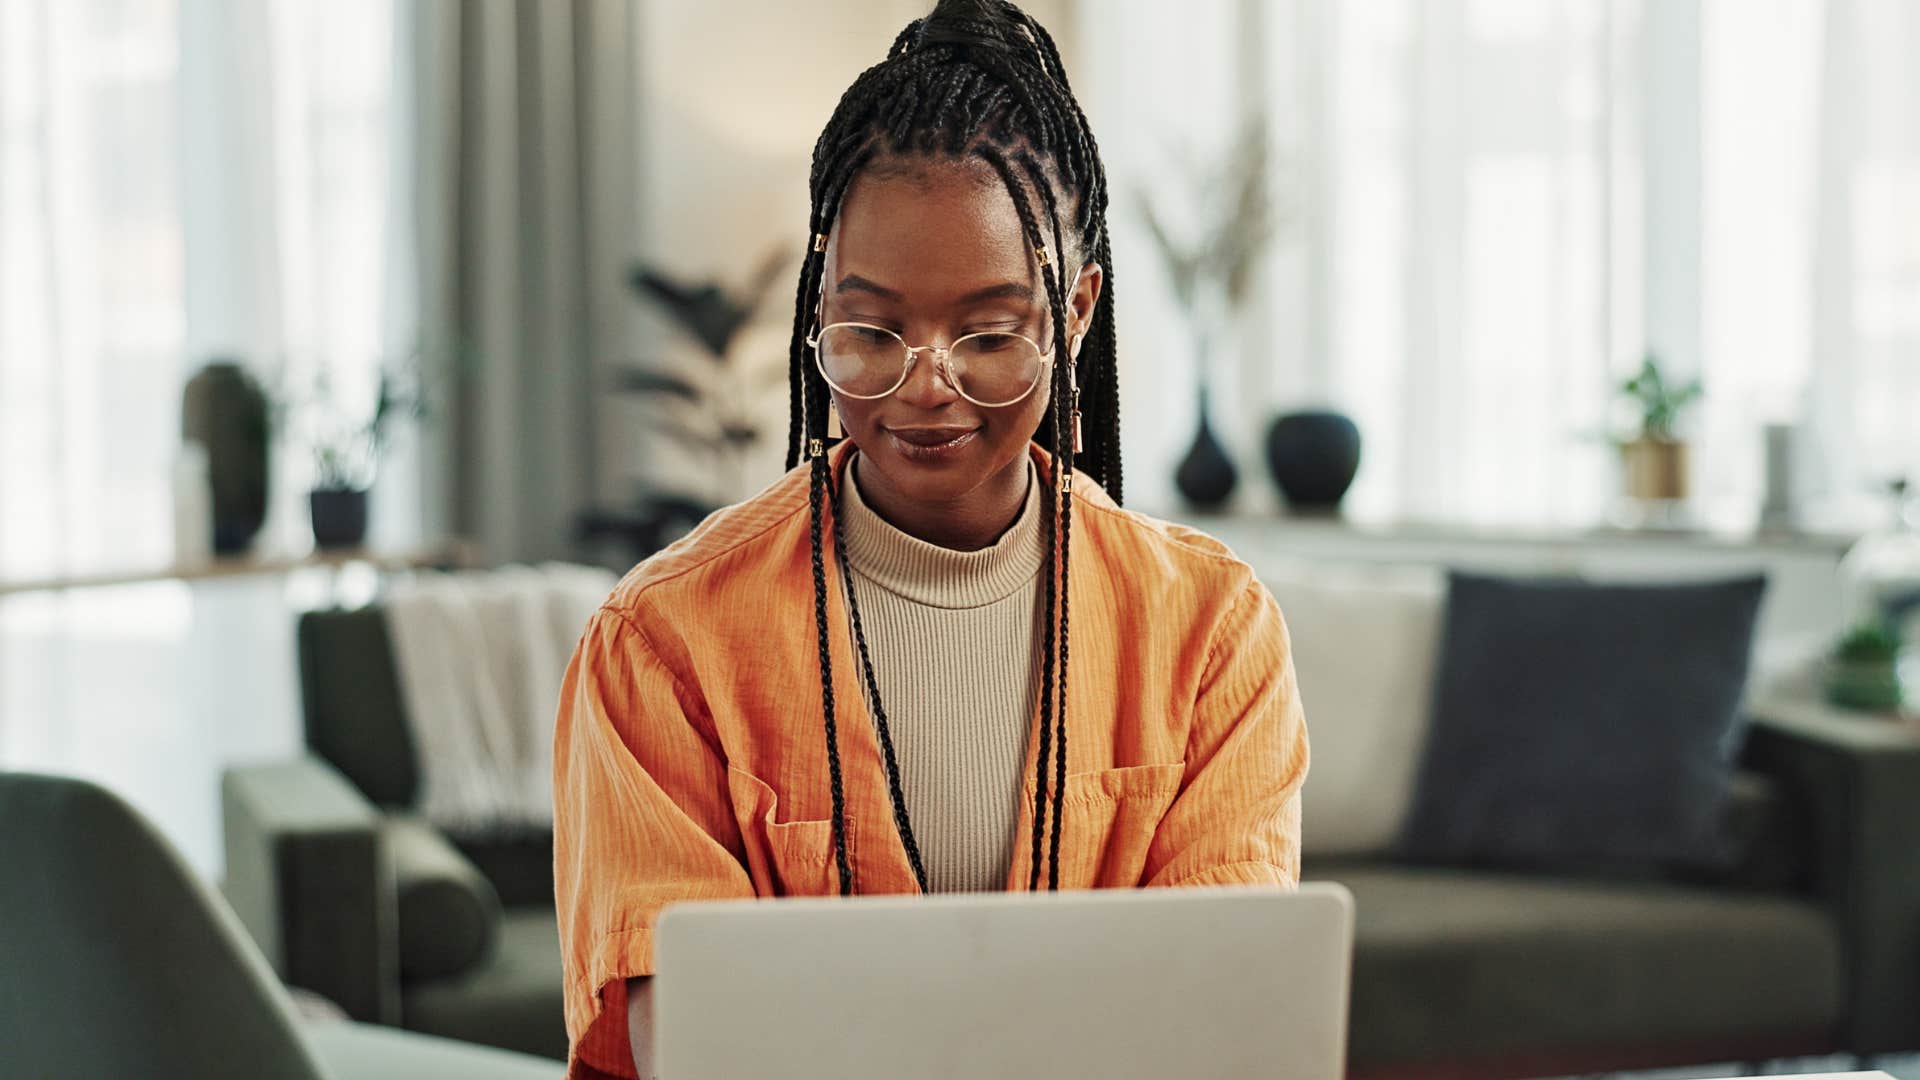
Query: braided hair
{"type": "Point", "coordinates": [975, 80]}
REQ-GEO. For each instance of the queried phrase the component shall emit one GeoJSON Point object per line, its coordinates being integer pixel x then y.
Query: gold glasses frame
{"type": "Point", "coordinates": [942, 361]}
{"type": "Point", "coordinates": [942, 358]}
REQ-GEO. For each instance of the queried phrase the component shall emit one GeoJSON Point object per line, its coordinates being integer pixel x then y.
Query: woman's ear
{"type": "Point", "coordinates": [1080, 306]}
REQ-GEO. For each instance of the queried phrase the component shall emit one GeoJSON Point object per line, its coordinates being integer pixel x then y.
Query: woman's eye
{"type": "Point", "coordinates": [995, 342]}
{"type": "Point", "coordinates": [869, 335]}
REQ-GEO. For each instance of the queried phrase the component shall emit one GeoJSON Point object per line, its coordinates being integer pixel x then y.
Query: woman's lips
{"type": "Point", "coordinates": [930, 444]}
{"type": "Point", "coordinates": [930, 436]}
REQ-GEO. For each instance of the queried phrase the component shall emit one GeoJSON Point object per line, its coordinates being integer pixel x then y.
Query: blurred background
{"type": "Point", "coordinates": [301, 300]}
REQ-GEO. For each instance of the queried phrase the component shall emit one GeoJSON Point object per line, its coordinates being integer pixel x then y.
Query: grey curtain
{"type": "Point", "coordinates": [521, 168]}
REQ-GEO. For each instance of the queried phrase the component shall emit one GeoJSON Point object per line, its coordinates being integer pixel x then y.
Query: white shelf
{"type": "Point", "coordinates": [1833, 541]}
{"type": "Point", "coordinates": [455, 552]}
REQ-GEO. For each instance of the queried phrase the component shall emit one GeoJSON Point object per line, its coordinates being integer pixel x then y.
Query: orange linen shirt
{"type": "Point", "coordinates": [690, 752]}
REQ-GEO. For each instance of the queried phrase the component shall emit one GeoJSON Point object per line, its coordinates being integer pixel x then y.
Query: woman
{"type": "Point", "coordinates": [859, 680]}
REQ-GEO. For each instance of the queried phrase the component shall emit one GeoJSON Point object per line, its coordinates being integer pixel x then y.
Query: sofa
{"type": "Point", "coordinates": [1807, 941]}
{"type": "Point", "coordinates": [353, 896]}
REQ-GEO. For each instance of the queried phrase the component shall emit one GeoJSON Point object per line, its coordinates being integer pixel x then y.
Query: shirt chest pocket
{"type": "Point", "coordinates": [784, 858]}
{"type": "Point", "coordinates": [1108, 819]}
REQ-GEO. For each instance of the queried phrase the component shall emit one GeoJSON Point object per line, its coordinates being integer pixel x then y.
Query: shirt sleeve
{"type": "Point", "coordinates": [1236, 820]}
{"type": "Point", "coordinates": [641, 819]}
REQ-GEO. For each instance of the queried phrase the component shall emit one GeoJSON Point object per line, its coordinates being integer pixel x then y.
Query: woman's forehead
{"type": "Point", "coordinates": [930, 230]}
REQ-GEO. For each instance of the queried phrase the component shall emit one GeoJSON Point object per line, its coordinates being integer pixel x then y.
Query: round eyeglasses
{"type": "Point", "coordinates": [994, 368]}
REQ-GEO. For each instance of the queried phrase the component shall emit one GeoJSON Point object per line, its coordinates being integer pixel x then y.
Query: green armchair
{"type": "Point", "coordinates": [353, 896]}
{"type": "Point", "coordinates": [116, 961]}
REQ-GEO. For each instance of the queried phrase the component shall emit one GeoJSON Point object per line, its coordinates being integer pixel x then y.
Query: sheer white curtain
{"type": "Point", "coordinates": [90, 281]}
{"type": "Point", "coordinates": [1496, 206]}
{"type": "Point", "coordinates": [1442, 270]}
{"type": "Point", "coordinates": [291, 217]}
{"type": "Point", "coordinates": [1812, 239]}
{"type": "Point", "coordinates": [1468, 192]}
{"type": "Point", "coordinates": [178, 178]}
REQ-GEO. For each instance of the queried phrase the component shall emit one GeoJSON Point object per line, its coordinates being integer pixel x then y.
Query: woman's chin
{"type": "Point", "coordinates": [945, 479]}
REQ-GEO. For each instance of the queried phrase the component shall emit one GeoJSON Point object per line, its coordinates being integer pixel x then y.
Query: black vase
{"type": "Point", "coordinates": [339, 518]}
{"type": "Point", "coordinates": [225, 410]}
{"type": "Point", "coordinates": [1206, 475]}
{"type": "Point", "coordinates": [1314, 456]}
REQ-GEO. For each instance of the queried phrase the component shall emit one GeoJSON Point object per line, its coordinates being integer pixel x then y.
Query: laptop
{"type": "Point", "coordinates": [1114, 983]}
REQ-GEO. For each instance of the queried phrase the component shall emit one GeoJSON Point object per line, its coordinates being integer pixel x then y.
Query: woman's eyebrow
{"type": "Point", "coordinates": [856, 283]}
{"type": "Point", "coordinates": [1006, 290]}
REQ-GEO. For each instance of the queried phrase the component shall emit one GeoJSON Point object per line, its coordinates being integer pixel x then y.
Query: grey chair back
{"type": "Point", "coordinates": [355, 717]}
{"type": "Point", "coordinates": [115, 960]}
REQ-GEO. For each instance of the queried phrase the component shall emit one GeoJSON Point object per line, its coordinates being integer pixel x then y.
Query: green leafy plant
{"type": "Point", "coordinates": [1658, 400]}
{"type": "Point", "coordinates": [1873, 642]}
{"type": "Point", "coordinates": [711, 409]}
{"type": "Point", "coordinates": [1866, 670]}
{"type": "Point", "coordinates": [348, 440]}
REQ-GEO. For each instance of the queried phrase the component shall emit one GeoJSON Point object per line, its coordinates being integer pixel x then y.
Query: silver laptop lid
{"type": "Point", "coordinates": [1115, 984]}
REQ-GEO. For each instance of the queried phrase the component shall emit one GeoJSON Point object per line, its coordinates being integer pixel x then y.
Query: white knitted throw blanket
{"type": "Point", "coordinates": [480, 656]}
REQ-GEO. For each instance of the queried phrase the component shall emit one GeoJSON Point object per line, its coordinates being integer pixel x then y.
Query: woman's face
{"type": "Point", "coordinates": [933, 251]}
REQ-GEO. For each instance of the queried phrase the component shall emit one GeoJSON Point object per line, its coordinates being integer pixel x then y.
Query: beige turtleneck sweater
{"type": "Point", "coordinates": [955, 639]}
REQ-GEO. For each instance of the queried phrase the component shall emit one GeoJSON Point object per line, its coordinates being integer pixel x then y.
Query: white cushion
{"type": "Point", "coordinates": [1365, 642]}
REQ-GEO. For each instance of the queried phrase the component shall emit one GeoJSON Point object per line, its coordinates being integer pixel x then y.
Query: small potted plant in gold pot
{"type": "Point", "coordinates": [1654, 459]}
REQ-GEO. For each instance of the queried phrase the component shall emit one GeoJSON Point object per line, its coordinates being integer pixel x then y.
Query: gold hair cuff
{"type": "Point", "coordinates": [820, 241]}
{"type": "Point", "coordinates": [816, 448]}
{"type": "Point", "coordinates": [1041, 252]}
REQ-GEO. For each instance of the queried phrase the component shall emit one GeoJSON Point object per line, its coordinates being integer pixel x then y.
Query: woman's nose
{"type": "Point", "coordinates": [927, 385]}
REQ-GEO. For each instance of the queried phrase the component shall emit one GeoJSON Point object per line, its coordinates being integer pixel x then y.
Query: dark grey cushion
{"type": "Point", "coordinates": [1454, 965]}
{"type": "Point", "coordinates": [355, 716]}
{"type": "Point", "coordinates": [1583, 725]}
{"type": "Point", "coordinates": [448, 912]}
{"type": "Point", "coordinates": [512, 999]}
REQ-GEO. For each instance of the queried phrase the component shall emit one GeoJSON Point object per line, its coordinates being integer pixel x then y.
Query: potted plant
{"type": "Point", "coordinates": [1655, 457]}
{"type": "Point", "coordinates": [1868, 669]}
{"type": "Point", "coordinates": [347, 446]}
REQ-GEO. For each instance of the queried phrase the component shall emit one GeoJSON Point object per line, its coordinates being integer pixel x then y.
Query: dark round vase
{"type": "Point", "coordinates": [1206, 475]}
{"type": "Point", "coordinates": [225, 410]}
{"type": "Point", "coordinates": [339, 518]}
{"type": "Point", "coordinates": [1314, 456]}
